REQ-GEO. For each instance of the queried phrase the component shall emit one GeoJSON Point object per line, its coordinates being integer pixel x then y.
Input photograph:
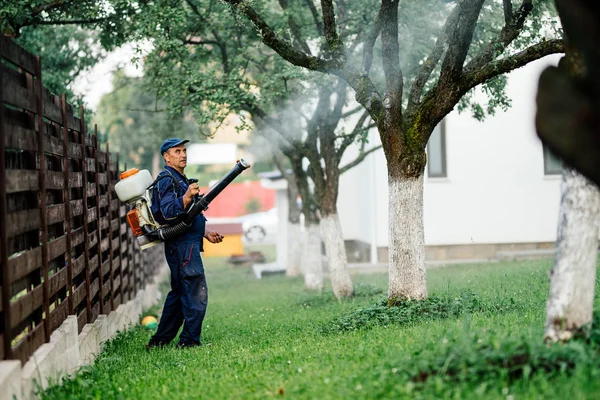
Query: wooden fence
{"type": "Point", "coordinates": [65, 247]}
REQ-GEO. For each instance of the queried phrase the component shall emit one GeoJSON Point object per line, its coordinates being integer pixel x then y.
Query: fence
{"type": "Point", "coordinates": [65, 247]}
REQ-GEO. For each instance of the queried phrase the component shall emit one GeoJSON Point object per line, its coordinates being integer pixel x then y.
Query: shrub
{"type": "Point", "coordinates": [412, 311]}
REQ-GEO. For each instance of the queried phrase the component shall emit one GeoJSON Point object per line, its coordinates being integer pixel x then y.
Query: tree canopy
{"type": "Point", "coordinates": [136, 122]}
{"type": "Point", "coordinates": [66, 52]}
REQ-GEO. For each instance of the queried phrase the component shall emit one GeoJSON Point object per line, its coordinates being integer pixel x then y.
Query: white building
{"type": "Point", "coordinates": [491, 189]}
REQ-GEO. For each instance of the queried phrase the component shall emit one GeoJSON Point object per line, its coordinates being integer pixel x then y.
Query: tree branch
{"type": "Point", "coordinates": [195, 9]}
{"type": "Point", "coordinates": [319, 114]}
{"type": "Point", "coordinates": [507, 11]}
{"type": "Point", "coordinates": [218, 41]}
{"type": "Point", "coordinates": [315, 14]}
{"type": "Point", "coordinates": [47, 7]}
{"type": "Point", "coordinates": [202, 42]}
{"type": "Point", "coordinates": [441, 100]}
{"type": "Point", "coordinates": [66, 22]}
{"type": "Point", "coordinates": [313, 128]}
{"type": "Point", "coordinates": [391, 114]}
{"type": "Point", "coordinates": [459, 41]}
{"type": "Point", "coordinates": [283, 48]}
{"type": "Point", "coordinates": [431, 62]}
{"type": "Point", "coordinates": [334, 116]}
{"type": "Point", "coordinates": [348, 139]}
{"type": "Point", "coordinates": [370, 44]}
{"type": "Point", "coordinates": [366, 93]}
{"type": "Point", "coordinates": [277, 160]}
{"type": "Point", "coordinates": [341, 7]}
{"type": "Point", "coordinates": [292, 181]}
{"type": "Point", "coordinates": [334, 43]}
{"type": "Point", "coordinates": [359, 159]}
{"type": "Point", "coordinates": [507, 35]}
{"type": "Point", "coordinates": [295, 28]}
{"type": "Point", "coordinates": [352, 111]}
{"type": "Point", "coordinates": [308, 201]}
{"type": "Point", "coordinates": [507, 64]}
{"type": "Point", "coordinates": [391, 57]}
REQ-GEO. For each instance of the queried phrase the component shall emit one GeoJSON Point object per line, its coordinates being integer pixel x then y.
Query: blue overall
{"type": "Point", "coordinates": [186, 302]}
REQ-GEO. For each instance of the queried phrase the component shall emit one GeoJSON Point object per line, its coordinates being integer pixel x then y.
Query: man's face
{"type": "Point", "coordinates": [176, 157]}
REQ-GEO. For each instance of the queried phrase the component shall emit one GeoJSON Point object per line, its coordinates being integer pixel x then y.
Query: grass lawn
{"type": "Point", "coordinates": [479, 336]}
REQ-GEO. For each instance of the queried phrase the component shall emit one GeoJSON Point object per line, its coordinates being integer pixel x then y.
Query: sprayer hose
{"type": "Point", "coordinates": [169, 232]}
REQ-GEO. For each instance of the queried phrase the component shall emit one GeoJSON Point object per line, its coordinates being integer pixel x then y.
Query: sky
{"type": "Point", "coordinates": [96, 82]}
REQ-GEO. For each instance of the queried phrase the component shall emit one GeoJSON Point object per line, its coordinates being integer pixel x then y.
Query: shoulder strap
{"type": "Point", "coordinates": [162, 176]}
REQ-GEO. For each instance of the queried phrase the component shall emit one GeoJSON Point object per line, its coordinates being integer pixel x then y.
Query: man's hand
{"type": "Point", "coordinates": [213, 237]}
{"type": "Point", "coordinates": [192, 190]}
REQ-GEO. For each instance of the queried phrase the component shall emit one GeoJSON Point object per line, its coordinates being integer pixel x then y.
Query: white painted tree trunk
{"type": "Point", "coordinates": [407, 276]}
{"type": "Point", "coordinates": [336, 253]}
{"type": "Point", "coordinates": [573, 275]}
{"type": "Point", "coordinates": [294, 253]}
{"type": "Point", "coordinates": [312, 261]}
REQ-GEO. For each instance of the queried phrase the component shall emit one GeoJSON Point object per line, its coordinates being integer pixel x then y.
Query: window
{"type": "Point", "coordinates": [552, 164]}
{"type": "Point", "coordinates": [436, 152]}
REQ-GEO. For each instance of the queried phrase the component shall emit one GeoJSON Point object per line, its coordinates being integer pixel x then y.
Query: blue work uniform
{"type": "Point", "coordinates": [187, 301]}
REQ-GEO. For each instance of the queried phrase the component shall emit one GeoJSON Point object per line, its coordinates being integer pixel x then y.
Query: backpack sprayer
{"type": "Point", "coordinates": [135, 187]}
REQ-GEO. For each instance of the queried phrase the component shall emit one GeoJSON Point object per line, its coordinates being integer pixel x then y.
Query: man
{"type": "Point", "coordinates": [186, 302]}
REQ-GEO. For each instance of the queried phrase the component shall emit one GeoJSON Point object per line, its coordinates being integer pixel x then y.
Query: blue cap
{"type": "Point", "coordinates": [172, 142]}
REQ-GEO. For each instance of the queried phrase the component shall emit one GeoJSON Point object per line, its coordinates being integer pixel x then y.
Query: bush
{"type": "Point", "coordinates": [411, 311]}
{"type": "Point", "coordinates": [475, 360]}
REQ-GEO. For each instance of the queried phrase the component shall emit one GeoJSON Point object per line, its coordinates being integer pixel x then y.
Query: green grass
{"type": "Point", "coordinates": [479, 336]}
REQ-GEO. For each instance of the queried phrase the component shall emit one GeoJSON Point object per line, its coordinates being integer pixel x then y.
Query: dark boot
{"type": "Point", "coordinates": [152, 343]}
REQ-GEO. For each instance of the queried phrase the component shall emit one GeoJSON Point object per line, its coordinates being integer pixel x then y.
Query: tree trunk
{"type": "Point", "coordinates": [312, 260]}
{"type": "Point", "coordinates": [295, 239]}
{"type": "Point", "coordinates": [407, 276]}
{"type": "Point", "coordinates": [336, 253]}
{"type": "Point", "coordinates": [573, 274]}
{"type": "Point", "coordinates": [294, 253]}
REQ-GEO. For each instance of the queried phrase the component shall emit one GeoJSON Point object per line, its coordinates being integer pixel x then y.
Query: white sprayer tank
{"type": "Point", "coordinates": [134, 185]}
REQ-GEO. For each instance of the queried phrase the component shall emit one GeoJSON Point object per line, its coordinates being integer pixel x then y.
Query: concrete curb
{"type": "Point", "coordinates": [67, 351]}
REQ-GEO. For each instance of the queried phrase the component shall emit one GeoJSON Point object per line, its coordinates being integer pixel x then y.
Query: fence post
{"type": "Point", "coordinates": [86, 245]}
{"type": "Point", "coordinates": [136, 269]}
{"type": "Point", "coordinates": [98, 229]}
{"type": "Point", "coordinates": [110, 233]}
{"type": "Point", "coordinates": [42, 194]}
{"type": "Point", "coordinates": [130, 258]}
{"type": "Point", "coordinates": [124, 293]}
{"type": "Point", "coordinates": [117, 175]}
{"type": "Point", "coordinates": [67, 199]}
{"type": "Point", "coordinates": [6, 278]}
